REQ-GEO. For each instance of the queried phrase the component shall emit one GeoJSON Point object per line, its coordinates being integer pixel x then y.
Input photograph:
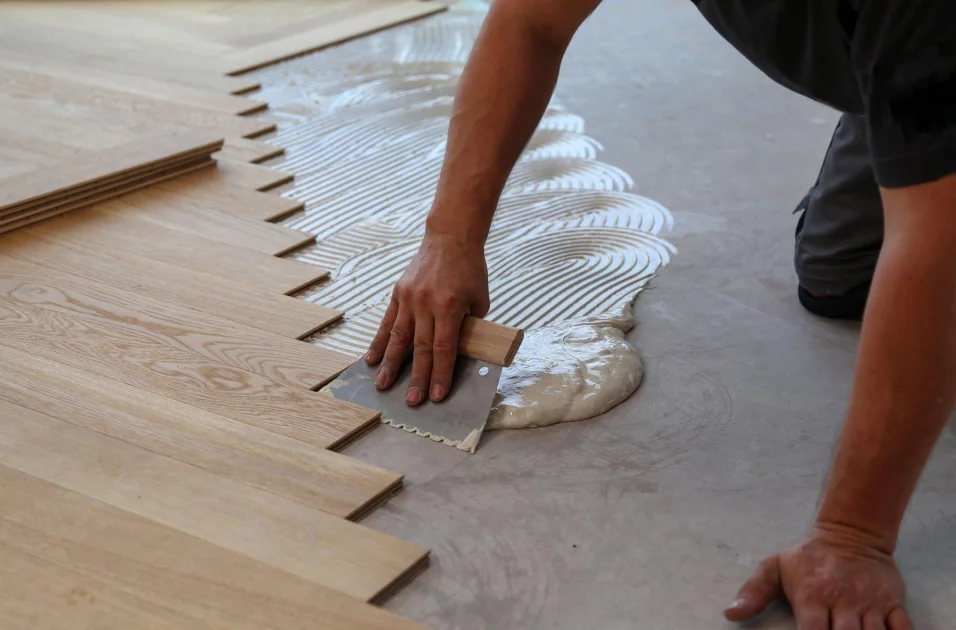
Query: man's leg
{"type": "Point", "coordinates": [841, 231]}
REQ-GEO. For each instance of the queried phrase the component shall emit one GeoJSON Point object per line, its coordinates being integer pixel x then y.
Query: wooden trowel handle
{"type": "Point", "coordinates": [488, 341]}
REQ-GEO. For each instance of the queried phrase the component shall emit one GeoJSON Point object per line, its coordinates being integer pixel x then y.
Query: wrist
{"type": "Point", "coordinates": [460, 234]}
{"type": "Point", "coordinates": [843, 531]}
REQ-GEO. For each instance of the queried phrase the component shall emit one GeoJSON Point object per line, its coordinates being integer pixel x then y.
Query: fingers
{"type": "Point", "coordinates": [898, 619]}
{"type": "Point", "coordinates": [377, 348]}
{"type": "Point", "coordinates": [874, 620]}
{"type": "Point", "coordinates": [758, 592]}
{"type": "Point", "coordinates": [421, 359]}
{"type": "Point", "coordinates": [846, 619]}
{"type": "Point", "coordinates": [400, 337]}
{"type": "Point", "coordinates": [444, 352]}
{"type": "Point", "coordinates": [812, 617]}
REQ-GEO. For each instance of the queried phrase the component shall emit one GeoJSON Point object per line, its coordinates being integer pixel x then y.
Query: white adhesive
{"type": "Point", "coordinates": [567, 372]}
{"type": "Point", "coordinates": [364, 125]}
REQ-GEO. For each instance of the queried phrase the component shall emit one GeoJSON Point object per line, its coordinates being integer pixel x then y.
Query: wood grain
{"type": "Point", "coordinates": [252, 176]}
{"type": "Point", "coordinates": [41, 319]}
{"type": "Point", "coordinates": [250, 151]}
{"type": "Point", "coordinates": [138, 154]}
{"type": "Point", "coordinates": [207, 99]}
{"type": "Point", "coordinates": [488, 341]}
{"type": "Point", "coordinates": [334, 33]}
{"type": "Point", "coordinates": [318, 547]}
{"type": "Point", "coordinates": [240, 303]}
{"type": "Point", "coordinates": [312, 476]}
{"type": "Point", "coordinates": [193, 216]}
{"type": "Point", "coordinates": [8, 225]}
{"type": "Point", "coordinates": [131, 57]}
{"type": "Point", "coordinates": [24, 84]}
{"type": "Point", "coordinates": [67, 563]}
{"type": "Point", "coordinates": [101, 229]}
{"type": "Point", "coordinates": [213, 188]}
{"type": "Point", "coordinates": [276, 357]}
{"type": "Point", "coordinates": [111, 187]}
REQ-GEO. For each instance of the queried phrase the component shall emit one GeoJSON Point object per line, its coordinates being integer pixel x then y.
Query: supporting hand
{"type": "Point", "coordinates": [835, 579]}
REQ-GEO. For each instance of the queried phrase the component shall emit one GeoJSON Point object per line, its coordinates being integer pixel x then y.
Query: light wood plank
{"type": "Point", "coordinates": [195, 217]}
{"type": "Point", "coordinates": [334, 33]}
{"type": "Point", "coordinates": [63, 208]}
{"type": "Point", "coordinates": [273, 356]}
{"type": "Point", "coordinates": [141, 153]}
{"type": "Point", "coordinates": [249, 151]}
{"type": "Point", "coordinates": [31, 322]}
{"type": "Point", "coordinates": [24, 84]}
{"type": "Point", "coordinates": [206, 99]}
{"type": "Point", "coordinates": [130, 57]}
{"type": "Point", "coordinates": [213, 187]}
{"type": "Point", "coordinates": [252, 176]}
{"type": "Point", "coordinates": [312, 476]}
{"type": "Point", "coordinates": [105, 187]}
{"type": "Point", "coordinates": [105, 230]}
{"type": "Point", "coordinates": [101, 546]}
{"type": "Point", "coordinates": [330, 551]}
{"type": "Point", "coordinates": [41, 594]}
{"type": "Point", "coordinates": [240, 303]}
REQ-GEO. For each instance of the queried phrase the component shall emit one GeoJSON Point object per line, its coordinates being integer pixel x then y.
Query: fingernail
{"type": "Point", "coordinates": [737, 603]}
{"type": "Point", "coordinates": [413, 396]}
{"type": "Point", "coordinates": [438, 392]}
{"type": "Point", "coordinates": [381, 379]}
{"type": "Point", "coordinates": [368, 356]}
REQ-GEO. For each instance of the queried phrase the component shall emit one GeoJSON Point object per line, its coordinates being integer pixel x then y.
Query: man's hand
{"type": "Point", "coordinates": [835, 579]}
{"type": "Point", "coordinates": [445, 281]}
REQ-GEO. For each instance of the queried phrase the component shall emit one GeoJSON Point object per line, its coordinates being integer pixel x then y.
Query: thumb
{"type": "Point", "coordinates": [758, 592]}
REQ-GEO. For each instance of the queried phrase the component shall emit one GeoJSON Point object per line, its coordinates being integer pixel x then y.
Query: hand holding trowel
{"type": "Point", "coordinates": [483, 349]}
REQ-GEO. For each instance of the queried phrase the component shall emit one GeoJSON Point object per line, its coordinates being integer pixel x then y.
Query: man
{"type": "Point", "coordinates": [891, 66]}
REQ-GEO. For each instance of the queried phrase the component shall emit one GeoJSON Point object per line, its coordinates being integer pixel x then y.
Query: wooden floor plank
{"type": "Point", "coordinates": [124, 232]}
{"type": "Point", "coordinates": [192, 579]}
{"type": "Point", "coordinates": [335, 553]}
{"type": "Point", "coordinates": [312, 476]}
{"type": "Point", "coordinates": [8, 225]}
{"type": "Point", "coordinates": [240, 303]}
{"type": "Point", "coordinates": [24, 84]}
{"type": "Point", "coordinates": [206, 99]}
{"type": "Point", "coordinates": [249, 151]}
{"type": "Point", "coordinates": [127, 58]}
{"type": "Point", "coordinates": [336, 32]}
{"type": "Point", "coordinates": [38, 593]}
{"type": "Point", "coordinates": [142, 153]}
{"type": "Point", "coordinates": [270, 355]}
{"type": "Point", "coordinates": [214, 188]}
{"type": "Point", "coordinates": [252, 176]}
{"type": "Point", "coordinates": [42, 318]}
{"type": "Point", "coordinates": [195, 217]}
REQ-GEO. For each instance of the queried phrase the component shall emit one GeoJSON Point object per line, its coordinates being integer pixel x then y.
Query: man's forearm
{"type": "Point", "coordinates": [504, 91]}
{"type": "Point", "coordinates": [903, 392]}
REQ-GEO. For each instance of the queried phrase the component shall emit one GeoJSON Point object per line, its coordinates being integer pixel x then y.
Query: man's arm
{"type": "Point", "coordinates": [903, 394]}
{"type": "Point", "coordinates": [503, 93]}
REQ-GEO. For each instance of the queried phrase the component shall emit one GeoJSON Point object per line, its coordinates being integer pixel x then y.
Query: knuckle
{"type": "Point", "coordinates": [443, 346]}
{"type": "Point", "coordinates": [398, 336]}
{"type": "Point", "coordinates": [447, 304]}
{"type": "Point", "coordinates": [423, 345]}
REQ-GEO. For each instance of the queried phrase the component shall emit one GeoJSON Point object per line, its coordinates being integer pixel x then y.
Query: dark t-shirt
{"type": "Point", "coordinates": [893, 61]}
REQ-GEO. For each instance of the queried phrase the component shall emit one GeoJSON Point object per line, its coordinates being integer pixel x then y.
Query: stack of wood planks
{"type": "Point", "coordinates": [165, 460]}
{"type": "Point", "coordinates": [96, 176]}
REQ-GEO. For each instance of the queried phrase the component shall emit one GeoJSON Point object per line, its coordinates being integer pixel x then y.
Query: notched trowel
{"type": "Point", "coordinates": [483, 349]}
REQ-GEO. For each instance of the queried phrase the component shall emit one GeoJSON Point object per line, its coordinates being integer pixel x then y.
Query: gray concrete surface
{"type": "Point", "coordinates": [651, 516]}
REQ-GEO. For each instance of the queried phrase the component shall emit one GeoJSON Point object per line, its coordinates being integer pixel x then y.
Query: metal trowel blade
{"type": "Point", "coordinates": [457, 421]}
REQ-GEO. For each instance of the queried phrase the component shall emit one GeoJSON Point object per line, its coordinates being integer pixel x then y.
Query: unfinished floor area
{"type": "Point", "coordinates": [652, 515]}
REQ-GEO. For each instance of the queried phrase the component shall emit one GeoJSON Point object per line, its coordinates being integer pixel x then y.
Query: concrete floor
{"type": "Point", "coordinates": [652, 515]}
